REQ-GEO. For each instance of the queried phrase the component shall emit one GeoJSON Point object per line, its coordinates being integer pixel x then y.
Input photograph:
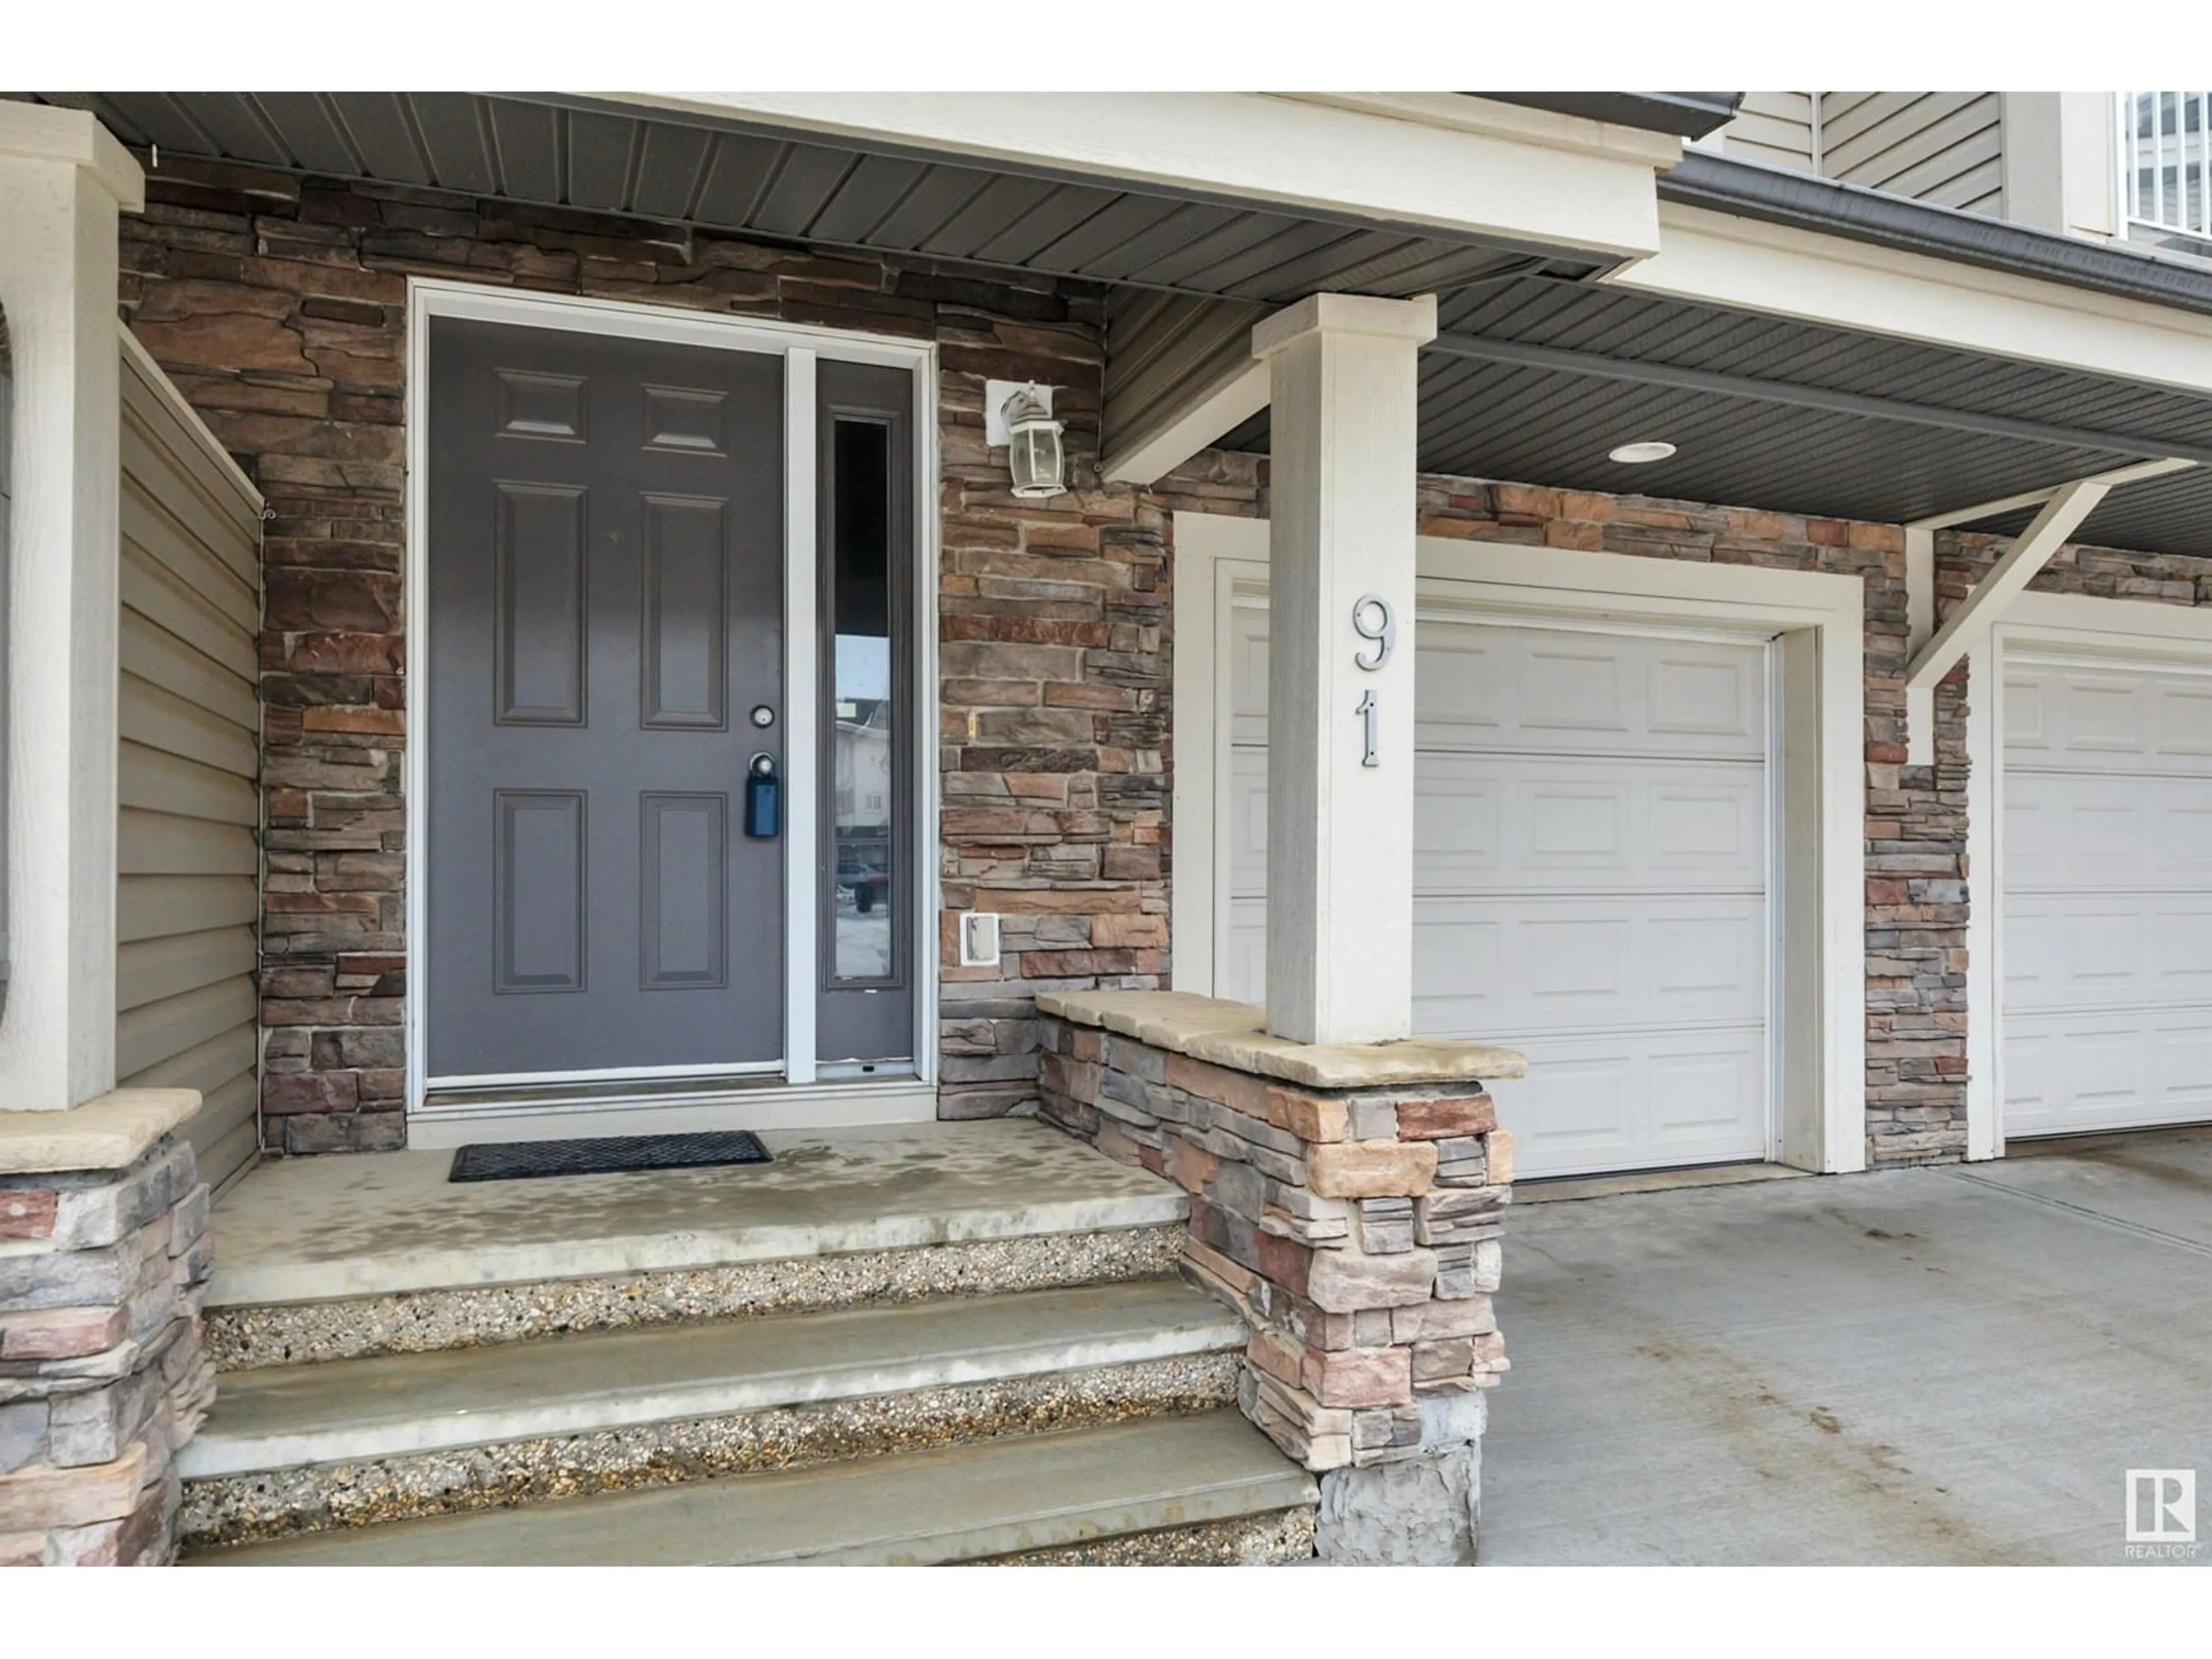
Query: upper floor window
{"type": "Point", "coordinates": [2165, 162]}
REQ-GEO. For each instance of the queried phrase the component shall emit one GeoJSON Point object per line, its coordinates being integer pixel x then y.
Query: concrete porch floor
{"type": "Point", "coordinates": [1938, 1365]}
{"type": "Point", "coordinates": [382, 1222]}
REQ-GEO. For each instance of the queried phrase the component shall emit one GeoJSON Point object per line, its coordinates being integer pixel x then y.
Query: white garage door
{"type": "Point", "coordinates": [1590, 879]}
{"type": "Point", "coordinates": [2107, 944]}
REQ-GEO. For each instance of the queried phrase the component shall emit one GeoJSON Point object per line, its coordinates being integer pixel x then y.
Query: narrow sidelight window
{"type": "Point", "coordinates": [870, 867]}
{"type": "Point", "coordinates": [867, 815]}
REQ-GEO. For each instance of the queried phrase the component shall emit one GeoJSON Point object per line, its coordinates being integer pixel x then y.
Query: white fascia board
{"type": "Point", "coordinates": [1718, 258]}
{"type": "Point", "coordinates": [1522, 123]}
{"type": "Point", "coordinates": [1390, 163]}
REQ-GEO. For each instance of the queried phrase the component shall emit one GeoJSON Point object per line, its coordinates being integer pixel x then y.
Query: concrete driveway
{"type": "Point", "coordinates": [1953, 1364]}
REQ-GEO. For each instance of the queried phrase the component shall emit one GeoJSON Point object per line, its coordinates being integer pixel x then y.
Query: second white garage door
{"type": "Point", "coordinates": [1590, 876]}
{"type": "Point", "coordinates": [2107, 946]}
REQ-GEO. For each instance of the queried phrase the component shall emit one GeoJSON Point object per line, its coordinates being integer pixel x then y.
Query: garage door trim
{"type": "Point", "coordinates": [1819, 1021]}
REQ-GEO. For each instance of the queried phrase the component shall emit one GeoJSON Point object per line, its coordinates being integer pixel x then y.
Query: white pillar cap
{"type": "Point", "coordinates": [39, 132]}
{"type": "Point", "coordinates": [1411, 320]}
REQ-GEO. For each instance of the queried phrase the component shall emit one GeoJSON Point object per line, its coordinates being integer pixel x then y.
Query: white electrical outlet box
{"type": "Point", "coordinates": [979, 939]}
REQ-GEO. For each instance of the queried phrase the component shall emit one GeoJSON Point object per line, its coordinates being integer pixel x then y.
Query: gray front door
{"type": "Point", "coordinates": [604, 613]}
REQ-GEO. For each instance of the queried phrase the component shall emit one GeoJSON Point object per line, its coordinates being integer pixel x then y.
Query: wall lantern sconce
{"type": "Point", "coordinates": [1019, 416]}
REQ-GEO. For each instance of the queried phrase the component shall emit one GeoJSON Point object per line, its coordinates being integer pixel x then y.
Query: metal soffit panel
{"type": "Point", "coordinates": [1837, 424]}
{"type": "Point", "coordinates": [765, 184]}
{"type": "Point", "coordinates": [1549, 422]}
{"type": "Point", "coordinates": [2172, 514]}
{"type": "Point", "coordinates": [1613, 323]}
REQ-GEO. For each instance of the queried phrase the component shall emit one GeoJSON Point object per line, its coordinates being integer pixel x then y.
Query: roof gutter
{"type": "Point", "coordinates": [1783, 198]}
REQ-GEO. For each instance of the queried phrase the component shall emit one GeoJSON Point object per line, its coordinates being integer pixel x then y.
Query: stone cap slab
{"type": "Point", "coordinates": [1166, 1019]}
{"type": "Point", "coordinates": [108, 1132]}
{"type": "Point", "coordinates": [1234, 1035]}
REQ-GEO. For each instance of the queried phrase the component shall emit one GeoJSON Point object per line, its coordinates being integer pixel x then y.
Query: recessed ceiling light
{"type": "Point", "coordinates": [1642, 455]}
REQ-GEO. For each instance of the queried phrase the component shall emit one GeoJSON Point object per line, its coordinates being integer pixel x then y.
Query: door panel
{"type": "Point", "coordinates": [537, 866]}
{"type": "Point", "coordinates": [538, 577]}
{"type": "Point", "coordinates": [682, 907]}
{"type": "Point", "coordinates": [1537, 690]}
{"type": "Point", "coordinates": [604, 587]}
{"type": "Point", "coordinates": [687, 646]}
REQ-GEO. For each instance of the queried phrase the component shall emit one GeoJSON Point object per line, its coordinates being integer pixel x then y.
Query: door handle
{"type": "Point", "coordinates": [763, 798]}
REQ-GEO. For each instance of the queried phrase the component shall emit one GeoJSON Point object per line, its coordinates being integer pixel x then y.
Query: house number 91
{"type": "Point", "coordinates": [1373, 620]}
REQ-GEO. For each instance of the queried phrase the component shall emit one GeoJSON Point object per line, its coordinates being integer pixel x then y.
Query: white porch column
{"type": "Point", "coordinates": [1341, 814]}
{"type": "Point", "coordinates": [64, 180]}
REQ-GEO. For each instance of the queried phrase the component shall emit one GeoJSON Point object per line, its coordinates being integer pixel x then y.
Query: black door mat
{"type": "Point", "coordinates": [528, 1160]}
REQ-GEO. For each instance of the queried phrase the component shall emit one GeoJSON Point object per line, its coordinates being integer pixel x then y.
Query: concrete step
{"type": "Point", "coordinates": [298, 1447]}
{"type": "Point", "coordinates": [321, 1259]}
{"type": "Point", "coordinates": [1201, 1488]}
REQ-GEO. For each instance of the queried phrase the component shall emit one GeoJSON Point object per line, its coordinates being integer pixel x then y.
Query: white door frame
{"type": "Point", "coordinates": [2125, 631]}
{"type": "Point", "coordinates": [1821, 865]}
{"type": "Point", "coordinates": [788, 1095]}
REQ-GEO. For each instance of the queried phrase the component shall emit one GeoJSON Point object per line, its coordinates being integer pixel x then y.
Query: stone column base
{"type": "Point", "coordinates": [1423, 1511]}
{"type": "Point", "coordinates": [102, 1377]}
{"type": "Point", "coordinates": [1348, 1202]}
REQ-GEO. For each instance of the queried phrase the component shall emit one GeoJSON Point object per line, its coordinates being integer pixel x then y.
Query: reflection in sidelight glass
{"type": "Point", "coordinates": [864, 807]}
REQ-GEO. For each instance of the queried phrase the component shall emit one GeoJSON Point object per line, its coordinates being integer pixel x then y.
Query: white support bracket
{"type": "Point", "coordinates": [1937, 651]}
{"type": "Point", "coordinates": [1919, 628]}
{"type": "Point", "coordinates": [1233, 395]}
{"type": "Point", "coordinates": [1969, 625]}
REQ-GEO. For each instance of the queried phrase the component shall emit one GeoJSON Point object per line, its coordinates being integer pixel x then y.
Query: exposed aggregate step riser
{"type": "Point", "coordinates": [245, 1508]}
{"type": "Point", "coordinates": [1271, 1539]}
{"type": "Point", "coordinates": [423, 1322]}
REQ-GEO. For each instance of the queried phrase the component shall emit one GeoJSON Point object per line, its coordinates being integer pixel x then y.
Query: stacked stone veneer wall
{"type": "Point", "coordinates": [1964, 557]}
{"type": "Point", "coordinates": [1357, 1229]}
{"type": "Point", "coordinates": [102, 1377]}
{"type": "Point", "coordinates": [277, 304]}
{"type": "Point", "coordinates": [1915, 824]}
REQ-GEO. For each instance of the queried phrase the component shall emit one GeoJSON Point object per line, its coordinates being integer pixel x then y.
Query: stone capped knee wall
{"type": "Point", "coordinates": [1357, 1228]}
{"type": "Point", "coordinates": [102, 1377]}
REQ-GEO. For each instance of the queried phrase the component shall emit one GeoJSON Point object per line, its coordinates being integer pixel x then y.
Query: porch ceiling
{"type": "Point", "coordinates": [1538, 370]}
{"type": "Point", "coordinates": [543, 148]}
{"type": "Point", "coordinates": [1534, 379]}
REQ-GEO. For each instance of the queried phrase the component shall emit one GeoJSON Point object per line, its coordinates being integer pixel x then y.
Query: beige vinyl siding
{"type": "Point", "coordinates": [1941, 147]}
{"type": "Point", "coordinates": [1774, 128]}
{"type": "Point", "coordinates": [188, 828]}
